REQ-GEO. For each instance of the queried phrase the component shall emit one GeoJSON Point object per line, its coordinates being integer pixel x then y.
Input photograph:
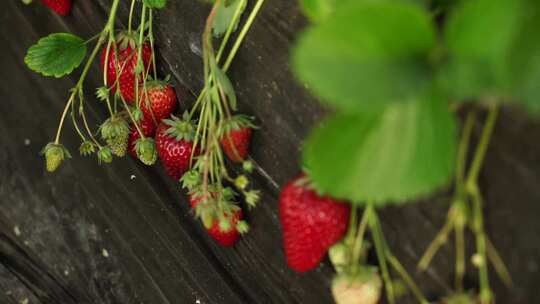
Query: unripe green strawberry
{"type": "Point", "coordinates": [54, 155]}
{"type": "Point", "coordinates": [105, 155]}
{"type": "Point", "coordinates": [363, 288]}
{"type": "Point", "coordinates": [146, 150]}
{"type": "Point", "coordinates": [119, 145]}
{"type": "Point", "coordinates": [115, 131]}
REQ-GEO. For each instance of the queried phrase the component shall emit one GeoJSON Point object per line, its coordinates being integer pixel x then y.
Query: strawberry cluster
{"type": "Point", "coordinates": [192, 147]}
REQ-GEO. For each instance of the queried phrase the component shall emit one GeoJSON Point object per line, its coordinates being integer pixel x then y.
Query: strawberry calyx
{"type": "Point", "coordinates": [238, 122]}
{"type": "Point", "coordinates": [180, 129]}
{"type": "Point", "coordinates": [114, 127]}
{"type": "Point", "coordinates": [87, 147]}
{"type": "Point", "coordinates": [105, 155]}
{"type": "Point", "coordinates": [127, 39]}
{"type": "Point", "coordinates": [217, 207]}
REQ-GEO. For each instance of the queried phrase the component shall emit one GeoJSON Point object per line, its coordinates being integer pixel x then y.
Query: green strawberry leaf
{"type": "Point", "coordinates": [399, 154]}
{"type": "Point", "coordinates": [355, 61]}
{"type": "Point", "coordinates": [225, 15]}
{"type": "Point", "coordinates": [155, 3]}
{"type": "Point", "coordinates": [477, 63]}
{"type": "Point", "coordinates": [56, 55]}
{"type": "Point", "coordinates": [320, 10]}
{"type": "Point", "coordinates": [484, 64]}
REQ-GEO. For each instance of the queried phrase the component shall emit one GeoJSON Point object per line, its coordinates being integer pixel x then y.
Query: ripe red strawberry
{"type": "Point", "coordinates": [158, 101]}
{"type": "Point", "coordinates": [235, 141]}
{"type": "Point", "coordinates": [174, 140]}
{"type": "Point", "coordinates": [125, 62]}
{"type": "Point", "coordinates": [225, 238]}
{"type": "Point", "coordinates": [311, 224]}
{"type": "Point", "coordinates": [62, 7]}
{"type": "Point", "coordinates": [147, 127]}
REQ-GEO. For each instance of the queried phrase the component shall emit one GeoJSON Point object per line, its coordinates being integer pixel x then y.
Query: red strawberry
{"type": "Point", "coordinates": [62, 7]}
{"type": "Point", "coordinates": [225, 238]}
{"type": "Point", "coordinates": [311, 224]}
{"type": "Point", "coordinates": [147, 127]}
{"type": "Point", "coordinates": [235, 141]}
{"type": "Point", "coordinates": [125, 62]}
{"type": "Point", "coordinates": [158, 101]}
{"type": "Point", "coordinates": [174, 140]}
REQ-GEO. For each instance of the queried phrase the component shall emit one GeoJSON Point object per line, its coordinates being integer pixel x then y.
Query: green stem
{"type": "Point", "coordinates": [498, 264]}
{"type": "Point", "coordinates": [112, 16]}
{"type": "Point", "coordinates": [87, 127]}
{"type": "Point", "coordinates": [460, 256]}
{"type": "Point", "coordinates": [74, 121]}
{"type": "Point", "coordinates": [63, 117]}
{"type": "Point", "coordinates": [439, 240]}
{"type": "Point", "coordinates": [230, 29]}
{"type": "Point", "coordinates": [151, 36]}
{"type": "Point", "coordinates": [351, 231]}
{"type": "Point", "coordinates": [406, 277]}
{"type": "Point", "coordinates": [483, 144]}
{"type": "Point", "coordinates": [478, 226]}
{"type": "Point", "coordinates": [381, 254]}
{"type": "Point", "coordinates": [141, 134]}
{"type": "Point", "coordinates": [242, 34]}
{"type": "Point", "coordinates": [78, 87]}
{"type": "Point", "coordinates": [131, 10]}
{"type": "Point", "coordinates": [357, 249]}
{"type": "Point", "coordinates": [463, 149]}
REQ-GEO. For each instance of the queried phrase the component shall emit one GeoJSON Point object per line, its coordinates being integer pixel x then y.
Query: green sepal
{"type": "Point", "coordinates": [242, 227]}
{"type": "Point", "coordinates": [105, 155]}
{"type": "Point", "coordinates": [102, 93]}
{"type": "Point", "coordinates": [238, 122]}
{"type": "Point", "coordinates": [252, 197]}
{"type": "Point", "coordinates": [180, 129]}
{"type": "Point", "coordinates": [87, 147]}
{"type": "Point", "coordinates": [191, 179]}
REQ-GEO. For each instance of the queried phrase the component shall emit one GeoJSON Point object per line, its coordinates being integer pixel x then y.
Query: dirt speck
{"type": "Point", "coordinates": [17, 230]}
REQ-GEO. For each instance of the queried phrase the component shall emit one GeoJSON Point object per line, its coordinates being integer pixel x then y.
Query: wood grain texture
{"type": "Point", "coordinates": [124, 233]}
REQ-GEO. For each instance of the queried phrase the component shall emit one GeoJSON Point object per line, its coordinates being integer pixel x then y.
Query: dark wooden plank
{"type": "Point", "coordinates": [92, 234]}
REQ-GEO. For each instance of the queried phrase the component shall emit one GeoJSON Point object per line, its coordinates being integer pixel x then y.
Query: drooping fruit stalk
{"type": "Point", "coordinates": [466, 211]}
{"type": "Point", "coordinates": [213, 112]}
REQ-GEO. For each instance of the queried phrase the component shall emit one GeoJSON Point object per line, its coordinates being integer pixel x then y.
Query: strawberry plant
{"type": "Point", "coordinates": [192, 148]}
{"type": "Point", "coordinates": [395, 73]}
{"type": "Point", "coordinates": [221, 132]}
{"type": "Point", "coordinates": [127, 57]}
